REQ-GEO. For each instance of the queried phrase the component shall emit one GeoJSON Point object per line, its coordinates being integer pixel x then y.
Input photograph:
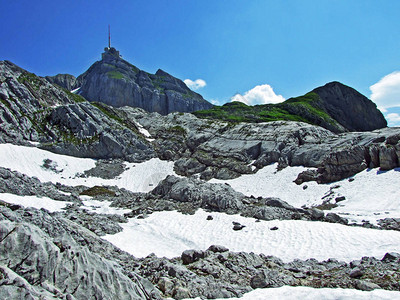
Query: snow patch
{"type": "Point", "coordinates": [170, 233]}
{"type": "Point", "coordinates": [138, 177]}
{"type": "Point", "coordinates": [372, 195]}
{"type": "Point", "coordinates": [301, 292]}
{"type": "Point", "coordinates": [101, 207]}
{"type": "Point", "coordinates": [144, 131]}
{"type": "Point", "coordinates": [34, 201]}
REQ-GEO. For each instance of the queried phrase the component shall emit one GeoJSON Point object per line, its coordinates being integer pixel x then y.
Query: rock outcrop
{"type": "Point", "coordinates": [335, 107]}
{"type": "Point", "coordinates": [231, 274]}
{"type": "Point", "coordinates": [46, 256]}
{"type": "Point", "coordinates": [33, 110]}
{"type": "Point", "coordinates": [83, 130]}
{"type": "Point", "coordinates": [352, 110]}
{"type": "Point", "coordinates": [116, 82]}
{"type": "Point", "coordinates": [66, 81]}
{"type": "Point", "coordinates": [25, 99]}
{"type": "Point", "coordinates": [214, 149]}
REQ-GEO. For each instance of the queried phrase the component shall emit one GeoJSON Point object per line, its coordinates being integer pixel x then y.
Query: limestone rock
{"type": "Point", "coordinates": [116, 82]}
{"type": "Point", "coordinates": [84, 131]}
{"type": "Point", "coordinates": [66, 81]}
{"type": "Point", "coordinates": [190, 256]}
{"type": "Point", "coordinates": [32, 254]}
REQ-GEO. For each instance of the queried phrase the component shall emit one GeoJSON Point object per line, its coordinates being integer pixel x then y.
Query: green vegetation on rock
{"type": "Point", "coordinates": [302, 109]}
{"type": "Point", "coordinates": [115, 75]}
{"type": "Point", "coordinates": [97, 191]}
{"type": "Point", "coordinates": [107, 111]}
{"type": "Point", "coordinates": [177, 129]}
{"type": "Point", "coordinates": [30, 79]}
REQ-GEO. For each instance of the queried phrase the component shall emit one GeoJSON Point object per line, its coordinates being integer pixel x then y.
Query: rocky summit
{"type": "Point", "coordinates": [120, 192]}
{"type": "Point", "coordinates": [351, 109]}
{"type": "Point", "coordinates": [116, 82]}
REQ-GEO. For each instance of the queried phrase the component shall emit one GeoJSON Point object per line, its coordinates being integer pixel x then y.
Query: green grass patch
{"type": "Point", "coordinates": [30, 79]}
{"type": "Point", "coordinates": [97, 191]}
{"type": "Point", "coordinates": [6, 103]}
{"type": "Point", "coordinates": [107, 111]}
{"type": "Point", "coordinates": [301, 109]}
{"type": "Point", "coordinates": [177, 129]}
{"type": "Point", "coordinates": [115, 75]}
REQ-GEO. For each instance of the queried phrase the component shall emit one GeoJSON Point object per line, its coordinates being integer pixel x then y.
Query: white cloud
{"type": "Point", "coordinates": [393, 119]}
{"type": "Point", "coordinates": [195, 85]}
{"type": "Point", "coordinates": [386, 92]}
{"type": "Point", "coordinates": [260, 94]}
{"type": "Point", "coordinates": [214, 101]}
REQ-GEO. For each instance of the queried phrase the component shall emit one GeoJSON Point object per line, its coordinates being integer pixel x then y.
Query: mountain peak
{"type": "Point", "coordinates": [350, 108]}
{"type": "Point", "coordinates": [116, 82]}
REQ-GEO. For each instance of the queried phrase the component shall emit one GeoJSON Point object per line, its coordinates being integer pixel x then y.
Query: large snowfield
{"type": "Point", "coordinates": [370, 196]}
{"type": "Point", "coordinates": [300, 292]}
{"type": "Point", "coordinates": [169, 233]}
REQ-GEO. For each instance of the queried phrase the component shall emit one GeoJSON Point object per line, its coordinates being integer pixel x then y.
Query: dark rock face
{"type": "Point", "coordinates": [116, 82]}
{"type": "Point", "coordinates": [66, 81]}
{"type": "Point", "coordinates": [351, 109]}
{"type": "Point", "coordinates": [86, 132]}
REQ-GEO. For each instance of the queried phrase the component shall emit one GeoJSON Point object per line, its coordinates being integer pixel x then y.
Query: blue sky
{"type": "Point", "coordinates": [253, 51]}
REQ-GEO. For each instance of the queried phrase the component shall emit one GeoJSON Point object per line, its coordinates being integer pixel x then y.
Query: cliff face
{"type": "Point", "coordinates": [66, 81]}
{"type": "Point", "coordinates": [349, 108]}
{"type": "Point", "coordinates": [116, 82]}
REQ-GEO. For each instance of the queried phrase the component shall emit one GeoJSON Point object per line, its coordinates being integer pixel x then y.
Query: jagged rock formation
{"type": "Point", "coordinates": [47, 256]}
{"type": "Point", "coordinates": [351, 109]}
{"type": "Point", "coordinates": [61, 255]}
{"type": "Point", "coordinates": [116, 82]}
{"type": "Point", "coordinates": [66, 81]}
{"type": "Point", "coordinates": [25, 98]}
{"type": "Point", "coordinates": [62, 259]}
{"type": "Point", "coordinates": [82, 130]}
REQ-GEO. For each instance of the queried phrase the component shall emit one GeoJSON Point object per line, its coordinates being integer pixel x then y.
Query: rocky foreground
{"type": "Point", "coordinates": [62, 255]}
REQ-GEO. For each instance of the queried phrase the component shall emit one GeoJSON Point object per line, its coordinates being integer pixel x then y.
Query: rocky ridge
{"type": "Point", "coordinates": [66, 81]}
{"type": "Point", "coordinates": [334, 106]}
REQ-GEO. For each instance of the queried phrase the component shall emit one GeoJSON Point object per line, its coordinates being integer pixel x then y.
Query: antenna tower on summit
{"type": "Point", "coordinates": [110, 52]}
{"type": "Point", "coordinates": [109, 37]}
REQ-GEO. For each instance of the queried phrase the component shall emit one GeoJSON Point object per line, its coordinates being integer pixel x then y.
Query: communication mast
{"type": "Point", "coordinates": [109, 51]}
{"type": "Point", "coordinates": [109, 37]}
